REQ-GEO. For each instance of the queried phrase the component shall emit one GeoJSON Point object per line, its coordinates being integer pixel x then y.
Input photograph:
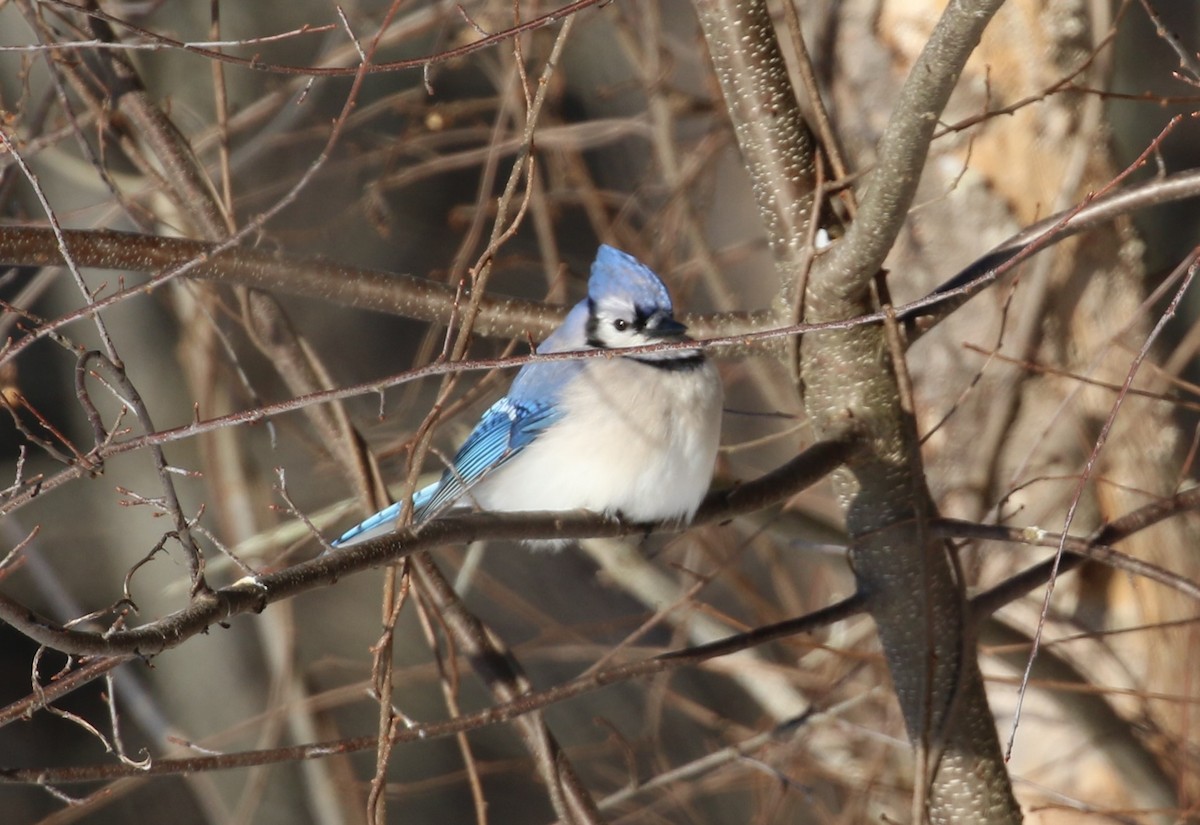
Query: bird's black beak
{"type": "Point", "coordinates": [665, 327]}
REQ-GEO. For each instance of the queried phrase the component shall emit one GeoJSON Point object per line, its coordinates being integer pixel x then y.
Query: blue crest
{"type": "Point", "coordinates": [616, 274]}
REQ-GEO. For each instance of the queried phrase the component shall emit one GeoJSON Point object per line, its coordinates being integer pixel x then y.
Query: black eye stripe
{"type": "Point", "coordinates": [591, 330]}
{"type": "Point", "coordinates": [640, 322]}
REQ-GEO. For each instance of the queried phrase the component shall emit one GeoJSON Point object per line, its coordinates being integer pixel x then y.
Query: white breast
{"type": "Point", "coordinates": [633, 440]}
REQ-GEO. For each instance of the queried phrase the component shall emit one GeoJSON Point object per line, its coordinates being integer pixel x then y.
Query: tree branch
{"type": "Point", "coordinates": [903, 150]}
{"type": "Point", "coordinates": [424, 732]}
{"type": "Point", "coordinates": [254, 595]}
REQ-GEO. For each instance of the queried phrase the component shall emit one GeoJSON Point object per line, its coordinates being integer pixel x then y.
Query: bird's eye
{"type": "Point", "coordinates": [620, 325]}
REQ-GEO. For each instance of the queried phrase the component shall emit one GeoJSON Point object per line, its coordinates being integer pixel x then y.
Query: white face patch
{"type": "Point", "coordinates": [616, 324]}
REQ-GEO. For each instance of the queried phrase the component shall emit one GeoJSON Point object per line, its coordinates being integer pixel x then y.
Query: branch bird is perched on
{"type": "Point", "coordinates": [633, 435]}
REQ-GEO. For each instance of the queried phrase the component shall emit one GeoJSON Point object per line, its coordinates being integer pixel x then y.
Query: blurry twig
{"type": "Point", "coordinates": [255, 64]}
{"type": "Point", "coordinates": [1076, 551]}
{"type": "Point", "coordinates": [418, 732]}
{"type": "Point", "coordinates": [252, 594]}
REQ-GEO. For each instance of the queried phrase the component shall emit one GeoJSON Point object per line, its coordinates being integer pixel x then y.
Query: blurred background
{"type": "Point", "coordinates": [633, 147]}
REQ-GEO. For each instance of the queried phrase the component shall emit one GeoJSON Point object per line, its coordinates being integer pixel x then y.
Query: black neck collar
{"type": "Point", "coordinates": [681, 363]}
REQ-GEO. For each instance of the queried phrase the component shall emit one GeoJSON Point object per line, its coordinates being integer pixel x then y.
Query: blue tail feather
{"type": "Point", "coordinates": [385, 519]}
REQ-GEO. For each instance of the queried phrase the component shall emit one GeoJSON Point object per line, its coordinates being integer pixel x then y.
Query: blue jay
{"type": "Point", "coordinates": [634, 435]}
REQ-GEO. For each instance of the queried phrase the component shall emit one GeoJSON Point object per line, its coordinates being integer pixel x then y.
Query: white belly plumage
{"type": "Point", "coordinates": [642, 448]}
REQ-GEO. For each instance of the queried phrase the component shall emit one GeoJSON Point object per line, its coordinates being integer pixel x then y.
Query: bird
{"type": "Point", "coordinates": [631, 435]}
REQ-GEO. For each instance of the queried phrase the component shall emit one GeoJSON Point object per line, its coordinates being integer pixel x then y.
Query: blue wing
{"type": "Point", "coordinates": [505, 429]}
